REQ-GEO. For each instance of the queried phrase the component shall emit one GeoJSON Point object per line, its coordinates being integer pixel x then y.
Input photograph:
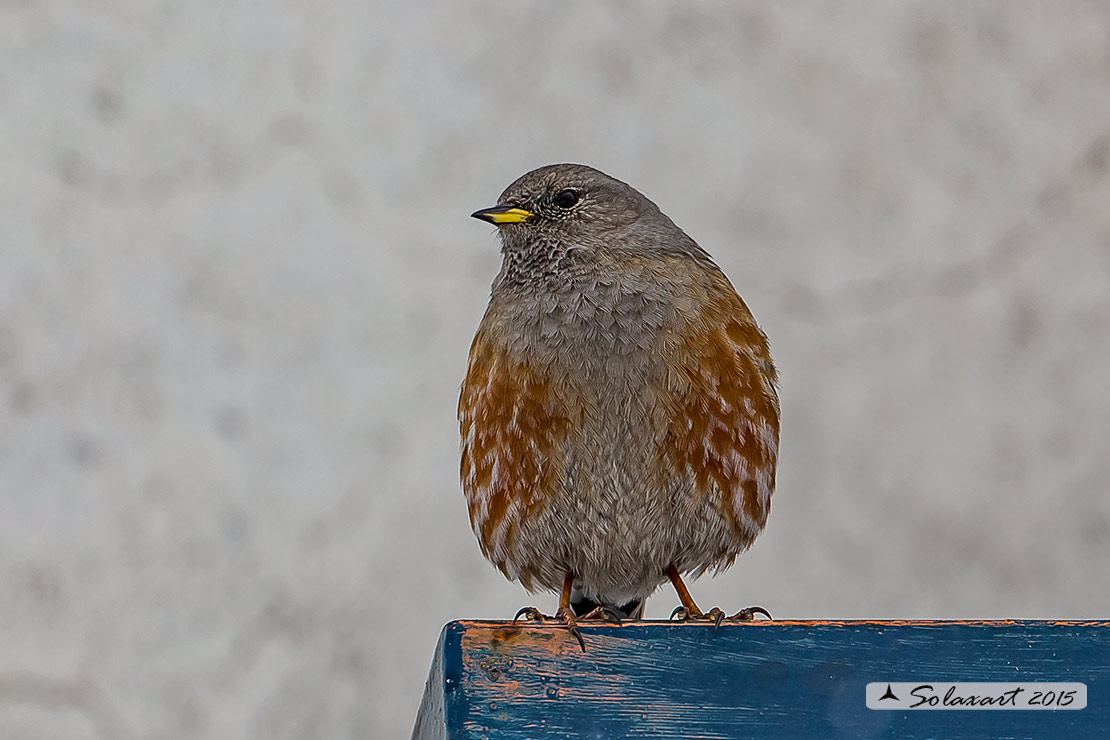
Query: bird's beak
{"type": "Point", "coordinates": [501, 215]}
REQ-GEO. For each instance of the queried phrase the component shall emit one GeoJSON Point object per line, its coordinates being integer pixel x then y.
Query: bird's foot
{"type": "Point", "coordinates": [564, 615]}
{"type": "Point", "coordinates": [747, 614]}
{"type": "Point", "coordinates": [603, 613]}
{"type": "Point", "coordinates": [532, 614]}
{"type": "Point", "coordinates": [715, 615]}
{"type": "Point", "coordinates": [688, 614]}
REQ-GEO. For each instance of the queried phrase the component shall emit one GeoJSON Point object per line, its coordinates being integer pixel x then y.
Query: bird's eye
{"type": "Point", "coordinates": [566, 199]}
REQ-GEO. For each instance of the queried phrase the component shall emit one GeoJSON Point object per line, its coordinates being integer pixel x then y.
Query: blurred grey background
{"type": "Point", "coordinates": [238, 284]}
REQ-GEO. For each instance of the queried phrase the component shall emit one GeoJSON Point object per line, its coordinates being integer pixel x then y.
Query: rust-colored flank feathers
{"type": "Point", "coordinates": [510, 432]}
{"type": "Point", "coordinates": [724, 423]}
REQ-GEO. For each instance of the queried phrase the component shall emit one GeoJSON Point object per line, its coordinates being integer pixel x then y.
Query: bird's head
{"type": "Point", "coordinates": [571, 205]}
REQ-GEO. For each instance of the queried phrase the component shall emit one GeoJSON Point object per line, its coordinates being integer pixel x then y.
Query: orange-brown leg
{"type": "Point", "coordinates": [690, 610]}
{"type": "Point", "coordinates": [568, 589]}
{"type": "Point", "coordinates": [564, 614]}
{"type": "Point", "coordinates": [684, 596]}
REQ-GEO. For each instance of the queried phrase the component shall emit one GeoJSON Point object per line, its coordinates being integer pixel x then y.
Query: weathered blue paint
{"type": "Point", "coordinates": [758, 680]}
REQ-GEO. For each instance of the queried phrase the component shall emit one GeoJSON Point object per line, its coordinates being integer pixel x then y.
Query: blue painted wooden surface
{"type": "Point", "coordinates": [759, 680]}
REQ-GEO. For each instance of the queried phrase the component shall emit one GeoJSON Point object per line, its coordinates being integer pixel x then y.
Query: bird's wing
{"type": "Point", "coordinates": [511, 429]}
{"type": "Point", "coordinates": [722, 411]}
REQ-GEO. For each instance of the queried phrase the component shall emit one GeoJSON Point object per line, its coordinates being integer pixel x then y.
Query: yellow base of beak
{"type": "Point", "coordinates": [500, 215]}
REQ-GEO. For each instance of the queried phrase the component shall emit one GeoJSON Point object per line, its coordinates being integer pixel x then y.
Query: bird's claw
{"type": "Point", "coordinates": [685, 614]}
{"type": "Point", "coordinates": [748, 614]}
{"type": "Point", "coordinates": [532, 614]}
{"type": "Point", "coordinates": [605, 613]}
{"type": "Point", "coordinates": [566, 616]}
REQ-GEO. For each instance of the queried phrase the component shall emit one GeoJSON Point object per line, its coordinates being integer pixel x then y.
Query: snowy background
{"type": "Point", "coordinates": [238, 283]}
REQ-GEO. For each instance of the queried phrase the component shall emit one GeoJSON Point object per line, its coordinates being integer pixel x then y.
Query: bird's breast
{"type": "Point", "coordinates": [603, 329]}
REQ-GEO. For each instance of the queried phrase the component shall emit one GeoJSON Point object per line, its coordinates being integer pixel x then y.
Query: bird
{"type": "Point", "coordinates": [619, 416]}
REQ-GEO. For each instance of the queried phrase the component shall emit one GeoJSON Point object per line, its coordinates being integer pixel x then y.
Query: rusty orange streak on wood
{"type": "Point", "coordinates": [500, 637]}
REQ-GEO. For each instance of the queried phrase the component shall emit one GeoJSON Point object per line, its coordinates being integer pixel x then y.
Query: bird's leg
{"type": "Point", "coordinates": [564, 614]}
{"type": "Point", "coordinates": [690, 610]}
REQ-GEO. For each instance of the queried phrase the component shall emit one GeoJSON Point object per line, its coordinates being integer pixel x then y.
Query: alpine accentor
{"type": "Point", "coordinates": [619, 416]}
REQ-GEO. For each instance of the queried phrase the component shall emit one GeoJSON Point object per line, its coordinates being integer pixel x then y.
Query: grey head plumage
{"type": "Point", "coordinates": [558, 218]}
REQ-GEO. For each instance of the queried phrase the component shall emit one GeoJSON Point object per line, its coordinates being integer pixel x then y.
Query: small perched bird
{"type": "Point", "coordinates": [619, 415]}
